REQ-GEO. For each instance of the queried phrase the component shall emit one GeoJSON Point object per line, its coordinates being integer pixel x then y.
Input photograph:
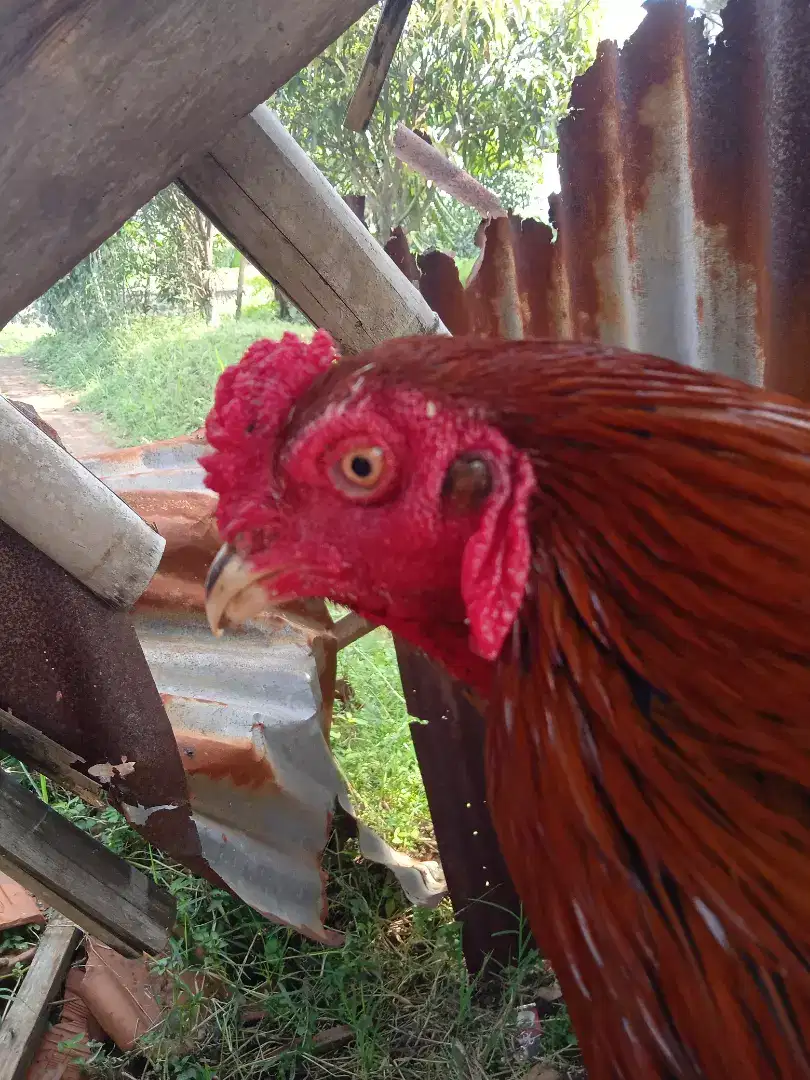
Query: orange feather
{"type": "Point", "coordinates": [648, 749]}
{"type": "Point", "coordinates": [649, 768]}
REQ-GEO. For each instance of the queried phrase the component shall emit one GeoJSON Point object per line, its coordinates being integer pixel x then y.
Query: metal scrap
{"type": "Point", "coordinates": [681, 227]}
{"type": "Point", "coordinates": [73, 669]}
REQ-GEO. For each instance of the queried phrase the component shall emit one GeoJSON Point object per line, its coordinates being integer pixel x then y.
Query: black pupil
{"type": "Point", "coordinates": [361, 467]}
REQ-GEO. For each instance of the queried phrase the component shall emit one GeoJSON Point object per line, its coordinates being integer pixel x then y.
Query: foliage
{"type": "Point", "coordinates": [160, 260]}
{"type": "Point", "coordinates": [151, 378]}
{"type": "Point", "coordinates": [372, 742]}
{"type": "Point", "coordinates": [488, 92]}
{"type": "Point", "coordinates": [712, 12]}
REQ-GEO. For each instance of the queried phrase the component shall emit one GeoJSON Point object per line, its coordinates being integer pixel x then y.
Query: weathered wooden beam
{"type": "Point", "coordinates": [481, 890]}
{"type": "Point", "coordinates": [27, 1015]}
{"type": "Point", "coordinates": [102, 104]}
{"type": "Point", "coordinates": [378, 60]}
{"type": "Point", "coordinates": [75, 874]}
{"type": "Point", "coordinates": [57, 504]}
{"type": "Point", "coordinates": [39, 752]}
{"type": "Point", "coordinates": [280, 211]}
{"type": "Point", "coordinates": [350, 629]}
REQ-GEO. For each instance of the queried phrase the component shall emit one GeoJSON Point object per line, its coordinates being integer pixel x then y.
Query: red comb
{"type": "Point", "coordinates": [252, 403]}
{"type": "Point", "coordinates": [255, 396]}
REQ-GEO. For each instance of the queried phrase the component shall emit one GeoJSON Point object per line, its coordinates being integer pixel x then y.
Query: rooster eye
{"type": "Point", "coordinates": [363, 467]}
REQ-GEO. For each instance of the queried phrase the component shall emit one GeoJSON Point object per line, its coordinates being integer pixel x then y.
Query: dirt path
{"type": "Point", "coordinates": [82, 433]}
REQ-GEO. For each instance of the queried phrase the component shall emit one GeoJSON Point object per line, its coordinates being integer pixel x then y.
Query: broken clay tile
{"type": "Point", "coordinates": [119, 994]}
{"type": "Point", "coordinates": [127, 998]}
{"type": "Point", "coordinates": [65, 1045]}
{"type": "Point", "coordinates": [17, 905]}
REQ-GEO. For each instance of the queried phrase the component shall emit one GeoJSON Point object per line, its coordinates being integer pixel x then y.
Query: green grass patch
{"type": "Point", "coordinates": [151, 378]}
{"type": "Point", "coordinates": [372, 742]}
{"type": "Point", "coordinates": [18, 338]}
{"type": "Point", "coordinates": [399, 983]}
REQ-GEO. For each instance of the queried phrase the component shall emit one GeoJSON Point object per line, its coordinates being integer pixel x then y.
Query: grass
{"type": "Point", "coordinates": [399, 983]}
{"type": "Point", "coordinates": [372, 742]}
{"type": "Point", "coordinates": [150, 378]}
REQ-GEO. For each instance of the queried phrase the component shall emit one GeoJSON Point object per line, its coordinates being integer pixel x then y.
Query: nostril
{"type": "Point", "coordinates": [221, 559]}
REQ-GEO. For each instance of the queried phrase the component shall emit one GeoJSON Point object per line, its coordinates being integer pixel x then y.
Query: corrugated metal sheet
{"type": "Point", "coordinates": [250, 711]}
{"type": "Point", "coordinates": [684, 216]}
{"type": "Point", "coordinates": [73, 668]}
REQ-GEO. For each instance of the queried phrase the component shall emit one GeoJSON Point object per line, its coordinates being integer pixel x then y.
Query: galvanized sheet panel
{"type": "Point", "coordinates": [684, 215]}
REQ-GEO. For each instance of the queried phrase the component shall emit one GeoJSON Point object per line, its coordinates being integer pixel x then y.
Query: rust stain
{"type": "Point", "coordinates": [221, 758]}
{"type": "Point", "coordinates": [441, 286]}
{"type": "Point", "coordinates": [683, 221]}
{"type": "Point", "coordinates": [398, 250]}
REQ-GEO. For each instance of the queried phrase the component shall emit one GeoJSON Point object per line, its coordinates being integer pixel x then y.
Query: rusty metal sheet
{"type": "Point", "coordinates": [73, 668]}
{"type": "Point", "coordinates": [682, 223]}
{"type": "Point", "coordinates": [250, 711]}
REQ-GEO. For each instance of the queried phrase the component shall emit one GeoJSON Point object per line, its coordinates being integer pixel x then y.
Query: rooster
{"type": "Point", "coordinates": [613, 550]}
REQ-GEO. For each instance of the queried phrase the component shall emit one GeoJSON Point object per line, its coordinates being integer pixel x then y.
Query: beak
{"type": "Point", "coordinates": [234, 593]}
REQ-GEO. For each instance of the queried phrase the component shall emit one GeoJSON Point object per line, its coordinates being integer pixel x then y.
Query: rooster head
{"type": "Point", "coordinates": [342, 479]}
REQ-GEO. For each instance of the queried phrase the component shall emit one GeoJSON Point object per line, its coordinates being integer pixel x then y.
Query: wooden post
{"type": "Point", "coordinates": [240, 285]}
{"type": "Point", "coordinates": [450, 749]}
{"type": "Point", "coordinates": [277, 208]}
{"type": "Point", "coordinates": [36, 750]}
{"type": "Point", "coordinates": [27, 1015]}
{"type": "Point", "coordinates": [103, 103]}
{"type": "Point", "coordinates": [74, 873]}
{"type": "Point", "coordinates": [378, 60]}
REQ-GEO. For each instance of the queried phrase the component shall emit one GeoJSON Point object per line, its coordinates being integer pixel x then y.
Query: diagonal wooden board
{"type": "Point", "coordinates": [263, 191]}
{"type": "Point", "coordinates": [104, 102]}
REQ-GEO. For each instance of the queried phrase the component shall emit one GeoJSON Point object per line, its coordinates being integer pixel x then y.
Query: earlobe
{"type": "Point", "coordinates": [496, 561]}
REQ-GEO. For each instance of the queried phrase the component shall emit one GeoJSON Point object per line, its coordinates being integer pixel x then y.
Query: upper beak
{"type": "Point", "coordinates": [233, 592]}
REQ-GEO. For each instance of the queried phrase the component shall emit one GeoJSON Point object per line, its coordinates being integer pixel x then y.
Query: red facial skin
{"type": "Point", "coordinates": [399, 551]}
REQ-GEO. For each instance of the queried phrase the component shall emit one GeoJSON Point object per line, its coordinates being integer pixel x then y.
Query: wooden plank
{"type": "Point", "coordinates": [350, 629]}
{"type": "Point", "coordinates": [39, 752]}
{"type": "Point", "coordinates": [78, 876]}
{"type": "Point", "coordinates": [27, 1015]}
{"type": "Point", "coordinates": [100, 540]}
{"type": "Point", "coordinates": [103, 103]}
{"type": "Point", "coordinates": [450, 750]}
{"type": "Point", "coordinates": [278, 209]}
{"type": "Point", "coordinates": [378, 60]}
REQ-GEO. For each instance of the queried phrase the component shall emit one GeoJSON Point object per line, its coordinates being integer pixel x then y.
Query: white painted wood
{"type": "Point", "coordinates": [52, 500]}
{"type": "Point", "coordinates": [263, 191]}
{"type": "Point", "coordinates": [431, 163]}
